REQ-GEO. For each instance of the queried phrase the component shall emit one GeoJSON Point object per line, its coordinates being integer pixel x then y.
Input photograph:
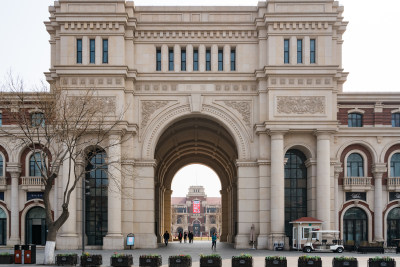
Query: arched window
{"type": "Point", "coordinates": [3, 227]}
{"type": "Point", "coordinates": [395, 119]}
{"type": "Point", "coordinates": [295, 188]}
{"type": "Point", "coordinates": [97, 200]}
{"type": "Point", "coordinates": [395, 165]}
{"type": "Point", "coordinates": [35, 164]}
{"type": "Point", "coordinates": [393, 226]}
{"type": "Point", "coordinates": [355, 165]}
{"type": "Point", "coordinates": [355, 120]}
{"type": "Point", "coordinates": [1, 165]}
{"type": "Point", "coordinates": [355, 225]}
{"type": "Point", "coordinates": [179, 220]}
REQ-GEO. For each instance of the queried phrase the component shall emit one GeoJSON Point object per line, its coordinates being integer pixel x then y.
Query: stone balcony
{"type": "Point", "coordinates": [3, 183]}
{"type": "Point", "coordinates": [32, 184]}
{"type": "Point", "coordinates": [357, 184]}
{"type": "Point", "coordinates": [393, 184]}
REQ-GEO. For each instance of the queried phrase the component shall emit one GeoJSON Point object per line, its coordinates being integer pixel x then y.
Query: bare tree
{"type": "Point", "coordinates": [57, 127]}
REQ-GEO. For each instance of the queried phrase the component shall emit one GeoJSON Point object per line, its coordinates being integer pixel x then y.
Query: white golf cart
{"type": "Point", "coordinates": [326, 241]}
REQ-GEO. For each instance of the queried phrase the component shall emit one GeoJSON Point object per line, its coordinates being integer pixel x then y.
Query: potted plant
{"type": "Point", "coordinates": [180, 261]}
{"type": "Point", "coordinates": [275, 261]}
{"type": "Point", "coordinates": [91, 260]}
{"type": "Point", "coordinates": [243, 260]}
{"type": "Point", "coordinates": [6, 258]}
{"type": "Point", "coordinates": [308, 261]}
{"type": "Point", "coordinates": [212, 260]}
{"type": "Point", "coordinates": [381, 261]}
{"type": "Point", "coordinates": [150, 260]}
{"type": "Point", "coordinates": [120, 259]}
{"type": "Point", "coordinates": [67, 259]}
{"type": "Point", "coordinates": [344, 261]}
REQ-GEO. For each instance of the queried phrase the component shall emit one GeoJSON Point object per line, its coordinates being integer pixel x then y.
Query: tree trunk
{"type": "Point", "coordinates": [50, 245]}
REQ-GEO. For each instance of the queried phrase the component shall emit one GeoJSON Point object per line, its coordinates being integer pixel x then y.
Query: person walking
{"type": "Point", "coordinates": [180, 237]}
{"type": "Point", "coordinates": [190, 236]}
{"type": "Point", "coordinates": [214, 241]}
{"type": "Point", "coordinates": [185, 235]}
{"type": "Point", "coordinates": [166, 238]}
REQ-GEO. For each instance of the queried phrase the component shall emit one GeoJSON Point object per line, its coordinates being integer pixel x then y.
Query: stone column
{"type": "Point", "coordinates": [15, 170]}
{"type": "Point", "coordinates": [164, 58]}
{"type": "Point", "coordinates": [262, 48]}
{"type": "Point", "coordinates": [189, 58]}
{"type": "Point", "coordinates": [177, 58]}
{"type": "Point", "coordinates": [378, 170]}
{"type": "Point", "coordinates": [68, 237]}
{"type": "Point", "coordinates": [114, 238]}
{"type": "Point", "coordinates": [202, 58]}
{"type": "Point", "coordinates": [167, 211]}
{"type": "Point", "coordinates": [143, 205]}
{"type": "Point", "coordinates": [277, 185]}
{"type": "Point", "coordinates": [224, 213]}
{"type": "Point", "coordinates": [323, 179]}
{"type": "Point", "coordinates": [338, 170]}
{"type": "Point", "coordinates": [214, 57]}
{"type": "Point", "coordinates": [227, 58]}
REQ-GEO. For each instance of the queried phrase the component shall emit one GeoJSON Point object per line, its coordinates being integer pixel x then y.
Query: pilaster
{"type": "Point", "coordinates": [378, 170]}
{"type": "Point", "coordinates": [323, 179]}
{"type": "Point", "coordinates": [15, 170]}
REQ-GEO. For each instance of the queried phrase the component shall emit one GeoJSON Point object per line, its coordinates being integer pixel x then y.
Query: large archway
{"type": "Point", "coordinates": [203, 141]}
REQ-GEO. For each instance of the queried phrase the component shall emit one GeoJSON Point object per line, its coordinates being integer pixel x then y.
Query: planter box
{"type": "Point", "coordinates": [275, 263]}
{"type": "Point", "coordinates": [309, 263]}
{"type": "Point", "coordinates": [67, 260]}
{"type": "Point", "coordinates": [124, 261]}
{"type": "Point", "coordinates": [150, 262]}
{"type": "Point", "coordinates": [180, 261]}
{"type": "Point", "coordinates": [381, 263]}
{"type": "Point", "coordinates": [7, 259]}
{"type": "Point", "coordinates": [92, 260]}
{"type": "Point", "coordinates": [242, 262]}
{"type": "Point", "coordinates": [344, 263]}
{"type": "Point", "coordinates": [210, 262]}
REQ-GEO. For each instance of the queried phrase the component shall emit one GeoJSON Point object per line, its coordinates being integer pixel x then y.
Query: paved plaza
{"type": "Point", "coordinates": [225, 250]}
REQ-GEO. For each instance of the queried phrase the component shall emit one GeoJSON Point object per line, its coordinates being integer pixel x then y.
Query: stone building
{"type": "Point", "coordinates": [196, 213]}
{"type": "Point", "coordinates": [255, 93]}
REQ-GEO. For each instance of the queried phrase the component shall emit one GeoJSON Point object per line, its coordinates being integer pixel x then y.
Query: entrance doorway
{"type": "Point", "coordinates": [3, 227]}
{"type": "Point", "coordinates": [36, 230]}
{"type": "Point", "coordinates": [393, 227]}
{"type": "Point", "coordinates": [355, 225]}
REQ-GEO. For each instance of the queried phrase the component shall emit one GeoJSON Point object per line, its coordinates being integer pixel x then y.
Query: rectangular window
{"type": "Point", "coordinates": [208, 59]}
{"type": "Point", "coordinates": [299, 51]}
{"type": "Point", "coordinates": [312, 51]}
{"type": "Point", "coordinates": [92, 51]}
{"type": "Point", "coordinates": [105, 50]}
{"type": "Point", "coordinates": [220, 60]}
{"type": "Point", "coordinates": [79, 51]}
{"type": "Point", "coordinates": [183, 60]}
{"type": "Point", "coordinates": [286, 51]}
{"type": "Point", "coordinates": [233, 59]}
{"type": "Point", "coordinates": [1, 119]}
{"type": "Point", "coordinates": [158, 60]}
{"type": "Point", "coordinates": [396, 120]}
{"type": "Point", "coordinates": [37, 119]}
{"type": "Point", "coordinates": [195, 60]}
{"type": "Point", "coordinates": [170, 59]}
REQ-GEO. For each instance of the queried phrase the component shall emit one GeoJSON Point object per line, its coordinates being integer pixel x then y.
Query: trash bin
{"type": "Point", "coordinates": [29, 254]}
{"type": "Point", "coordinates": [17, 254]}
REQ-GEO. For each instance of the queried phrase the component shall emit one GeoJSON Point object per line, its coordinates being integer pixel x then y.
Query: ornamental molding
{"type": "Point", "coordinates": [300, 105]}
{"type": "Point", "coordinates": [148, 108]}
{"type": "Point", "coordinates": [245, 35]}
{"type": "Point", "coordinates": [299, 25]}
{"type": "Point", "coordinates": [243, 107]}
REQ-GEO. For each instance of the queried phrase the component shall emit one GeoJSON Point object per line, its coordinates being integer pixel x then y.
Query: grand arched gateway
{"type": "Point", "coordinates": [255, 93]}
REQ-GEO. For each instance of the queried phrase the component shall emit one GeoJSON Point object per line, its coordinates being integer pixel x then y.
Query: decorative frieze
{"type": "Point", "coordinates": [211, 87]}
{"type": "Point", "coordinates": [300, 104]}
{"type": "Point", "coordinates": [196, 34]}
{"type": "Point", "coordinates": [306, 26]}
{"type": "Point", "coordinates": [91, 25]}
{"type": "Point", "coordinates": [243, 107]}
{"type": "Point", "coordinates": [300, 82]}
{"type": "Point", "coordinates": [92, 81]}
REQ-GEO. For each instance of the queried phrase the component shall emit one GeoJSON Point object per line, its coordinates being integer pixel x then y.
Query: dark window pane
{"type": "Point", "coordinates": [355, 120]}
{"type": "Point", "coordinates": [299, 51]}
{"type": "Point", "coordinates": [105, 50]}
{"type": "Point", "coordinates": [171, 60]}
{"type": "Point", "coordinates": [79, 51]}
{"type": "Point", "coordinates": [286, 51]}
{"type": "Point", "coordinates": [208, 60]}
{"type": "Point", "coordinates": [92, 51]}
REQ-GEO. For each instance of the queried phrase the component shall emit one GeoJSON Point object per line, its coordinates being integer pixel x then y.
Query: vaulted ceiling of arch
{"type": "Point", "coordinates": [196, 140]}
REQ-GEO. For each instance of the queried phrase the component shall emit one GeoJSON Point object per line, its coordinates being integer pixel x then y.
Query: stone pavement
{"type": "Point", "coordinates": [225, 250]}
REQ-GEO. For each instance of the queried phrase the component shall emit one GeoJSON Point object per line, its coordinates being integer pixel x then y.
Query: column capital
{"type": "Point", "coordinates": [13, 167]}
{"type": "Point", "coordinates": [323, 134]}
{"type": "Point", "coordinates": [277, 134]}
{"type": "Point", "coordinates": [378, 169]}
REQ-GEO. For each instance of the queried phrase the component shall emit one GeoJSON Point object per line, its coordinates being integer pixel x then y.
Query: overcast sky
{"type": "Point", "coordinates": [371, 50]}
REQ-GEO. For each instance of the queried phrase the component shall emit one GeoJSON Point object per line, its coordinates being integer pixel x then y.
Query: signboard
{"type": "Point", "coordinates": [356, 196]}
{"type": "Point", "coordinates": [394, 196]}
{"type": "Point", "coordinates": [34, 195]}
{"type": "Point", "coordinates": [130, 240]}
{"type": "Point", "coordinates": [196, 206]}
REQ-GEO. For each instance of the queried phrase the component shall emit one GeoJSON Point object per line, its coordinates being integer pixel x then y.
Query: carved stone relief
{"type": "Point", "coordinates": [148, 108]}
{"type": "Point", "coordinates": [243, 107]}
{"type": "Point", "coordinates": [301, 104]}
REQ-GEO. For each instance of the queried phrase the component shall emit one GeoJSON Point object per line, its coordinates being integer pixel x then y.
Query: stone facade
{"type": "Point", "coordinates": [202, 219]}
{"type": "Point", "coordinates": [247, 91]}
